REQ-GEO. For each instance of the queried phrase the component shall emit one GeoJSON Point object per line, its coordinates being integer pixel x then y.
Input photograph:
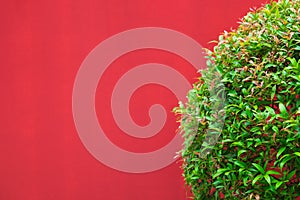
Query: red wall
{"type": "Point", "coordinates": [43, 44]}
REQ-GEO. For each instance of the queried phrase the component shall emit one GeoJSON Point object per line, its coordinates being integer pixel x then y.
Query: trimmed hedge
{"type": "Point", "coordinates": [257, 154]}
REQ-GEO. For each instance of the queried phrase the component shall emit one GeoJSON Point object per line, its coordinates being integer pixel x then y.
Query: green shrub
{"type": "Point", "coordinates": [257, 152]}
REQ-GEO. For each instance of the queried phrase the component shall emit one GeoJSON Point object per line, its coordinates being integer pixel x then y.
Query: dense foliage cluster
{"type": "Point", "coordinates": [257, 155]}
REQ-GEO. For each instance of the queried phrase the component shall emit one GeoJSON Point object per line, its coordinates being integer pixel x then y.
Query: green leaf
{"type": "Point", "coordinates": [254, 129]}
{"type": "Point", "coordinates": [260, 169]}
{"type": "Point", "coordinates": [245, 180]}
{"type": "Point", "coordinates": [241, 152]}
{"type": "Point", "coordinates": [258, 177]}
{"type": "Point", "coordinates": [240, 164]}
{"type": "Point", "coordinates": [281, 150]}
{"type": "Point", "coordinates": [275, 129]}
{"type": "Point", "coordinates": [241, 144]}
{"type": "Point", "coordinates": [278, 184]}
{"type": "Point", "coordinates": [283, 110]}
{"type": "Point", "coordinates": [282, 163]}
{"type": "Point", "coordinates": [273, 92]}
{"type": "Point", "coordinates": [219, 172]}
{"type": "Point", "coordinates": [267, 178]}
{"type": "Point", "coordinates": [272, 172]}
{"type": "Point", "coordinates": [290, 139]}
{"type": "Point", "coordinates": [293, 62]}
{"type": "Point", "coordinates": [270, 110]}
{"type": "Point", "coordinates": [291, 174]}
{"type": "Point", "coordinates": [297, 154]}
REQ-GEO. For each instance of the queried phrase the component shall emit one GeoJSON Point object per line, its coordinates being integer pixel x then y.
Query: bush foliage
{"type": "Point", "coordinates": [257, 154]}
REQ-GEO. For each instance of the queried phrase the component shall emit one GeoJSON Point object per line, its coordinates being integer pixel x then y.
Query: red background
{"type": "Point", "coordinates": [43, 44]}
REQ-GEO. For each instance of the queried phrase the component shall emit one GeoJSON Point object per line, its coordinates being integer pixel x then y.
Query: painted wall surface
{"type": "Point", "coordinates": [53, 54]}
